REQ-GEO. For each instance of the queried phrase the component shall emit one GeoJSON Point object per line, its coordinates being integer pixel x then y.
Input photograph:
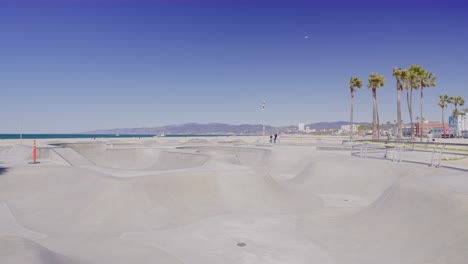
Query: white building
{"type": "Point", "coordinates": [458, 126]}
{"type": "Point", "coordinates": [462, 124]}
{"type": "Point", "coordinates": [301, 127]}
{"type": "Point", "coordinates": [347, 128]}
{"type": "Point", "coordinates": [308, 130]}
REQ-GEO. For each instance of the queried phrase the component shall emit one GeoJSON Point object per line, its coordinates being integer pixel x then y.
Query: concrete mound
{"type": "Point", "coordinates": [151, 143]}
{"type": "Point", "coordinates": [109, 206]}
{"type": "Point", "coordinates": [235, 155]}
{"type": "Point", "coordinates": [17, 250]}
{"type": "Point", "coordinates": [413, 221]}
{"type": "Point", "coordinates": [15, 153]}
{"type": "Point", "coordinates": [133, 158]}
{"type": "Point", "coordinates": [227, 204]}
{"type": "Point", "coordinates": [197, 141]}
{"type": "Point", "coordinates": [169, 142]}
{"type": "Point", "coordinates": [228, 141]}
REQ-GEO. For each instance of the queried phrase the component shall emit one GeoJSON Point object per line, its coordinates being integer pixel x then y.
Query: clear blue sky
{"type": "Point", "coordinates": [94, 64]}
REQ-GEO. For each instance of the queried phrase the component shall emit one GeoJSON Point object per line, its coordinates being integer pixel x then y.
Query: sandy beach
{"type": "Point", "coordinates": [227, 200]}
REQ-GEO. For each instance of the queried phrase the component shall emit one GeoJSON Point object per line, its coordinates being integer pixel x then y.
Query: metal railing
{"type": "Point", "coordinates": [396, 150]}
{"type": "Point", "coordinates": [366, 150]}
{"type": "Point", "coordinates": [437, 153]}
{"type": "Point", "coordinates": [400, 147]}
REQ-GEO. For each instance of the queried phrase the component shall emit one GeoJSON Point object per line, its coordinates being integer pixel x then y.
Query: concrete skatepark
{"type": "Point", "coordinates": [227, 201]}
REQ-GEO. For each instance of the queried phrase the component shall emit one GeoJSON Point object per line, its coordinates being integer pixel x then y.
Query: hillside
{"type": "Point", "coordinates": [218, 128]}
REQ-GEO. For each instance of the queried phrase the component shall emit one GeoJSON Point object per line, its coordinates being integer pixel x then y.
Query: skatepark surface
{"type": "Point", "coordinates": [226, 201]}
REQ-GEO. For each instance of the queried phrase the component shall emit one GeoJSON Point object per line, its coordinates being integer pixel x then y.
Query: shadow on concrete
{"type": "Point", "coordinates": [3, 170]}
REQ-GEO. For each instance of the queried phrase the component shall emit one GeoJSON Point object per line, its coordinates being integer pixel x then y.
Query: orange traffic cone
{"type": "Point", "coordinates": [34, 153]}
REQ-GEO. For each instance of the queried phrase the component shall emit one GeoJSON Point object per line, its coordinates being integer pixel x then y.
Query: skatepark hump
{"type": "Point", "coordinates": [220, 203]}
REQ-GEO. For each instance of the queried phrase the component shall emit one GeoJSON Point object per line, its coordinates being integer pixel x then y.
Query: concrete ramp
{"type": "Point", "coordinates": [413, 221]}
{"type": "Point", "coordinates": [68, 201]}
{"type": "Point", "coordinates": [206, 204]}
{"type": "Point", "coordinates": [244, 156]}
{"type": "Point", "coordinates": [15, 153]}
{"type": "Point", "coordinates": [14, 250]}
{"type": "Point", "coordinates": [132, 158]}
{"type": "Point", "coordinates": [72, 157]}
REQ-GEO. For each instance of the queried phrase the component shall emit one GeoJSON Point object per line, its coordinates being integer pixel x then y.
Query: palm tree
{"type": "Point", "coordinates": [375, 81]}
{"type": "Point", "coordinates": [410, 84]}
{"type": "Point", "coordinates": [399, 74]}
{"type": "Point", "coordinates": [456, 101]}
{"type": "Point", "coordinates": [424, 79]}
{"type": "Point", "coordinates": [389, 125]}
{"type": "Point", "coordinates": [444, 100]}
{"type": "Point", "coordinates": [353, 84]}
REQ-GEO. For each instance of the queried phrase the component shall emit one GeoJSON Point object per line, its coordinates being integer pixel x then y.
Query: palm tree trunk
{"type": "Point", "coordinates": [399, 132]}
{"type": "Point", "coordinates": [378, 119]}
{"type": "Point", "coordinates": [374, 118]}
{"type": "Point", "coordinates": [443, 125]}
{"type": "Point", "coordinates": [351, 119]}
{"type": "Point", "coordinates": [410, 110]}
{"type": "Point", "coordinates": [455, 120]}
{"type": "Point", "coordinates": [421, 122]}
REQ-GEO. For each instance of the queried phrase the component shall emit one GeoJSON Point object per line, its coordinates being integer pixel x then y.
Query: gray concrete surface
{"type": "Point", "coordinates": [213, 202]}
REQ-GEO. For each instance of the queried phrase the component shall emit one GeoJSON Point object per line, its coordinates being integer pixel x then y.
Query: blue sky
{"type": "Point", "coordinates": [78, 65]}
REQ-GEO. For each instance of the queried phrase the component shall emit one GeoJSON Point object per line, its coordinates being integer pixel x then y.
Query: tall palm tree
{"type": "Point", "coordinates": [399, 75]}
{"type": "Point", "coordinates": [456, 101]}
{"type": "Point", "coordinates": [353, 84]}
{"type": "Point", "coordinates": [375, 81]}
{"type": "Point", "coordinates": [444, 100]}
{"type": "Point", "coordinates": [410, 84]}
{"type": "Point", "coordinates": [424, 79]}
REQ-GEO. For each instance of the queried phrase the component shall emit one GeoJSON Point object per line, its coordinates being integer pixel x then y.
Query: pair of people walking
{"type": "Point", "coordinates": [273, 140]}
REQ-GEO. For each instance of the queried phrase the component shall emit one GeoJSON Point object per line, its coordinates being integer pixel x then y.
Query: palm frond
{"type": "Point", "coordinates": [375, 81]}
{"type": "Point", "coordinates": [355, 82]}
{"type": "Point", "coordinates": [444, 100]}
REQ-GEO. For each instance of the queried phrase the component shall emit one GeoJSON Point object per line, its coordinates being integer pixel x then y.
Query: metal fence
{"type": "Point", "coordinates": [392, 151]}
{"type": "Point", "coordinates": [367, 150]}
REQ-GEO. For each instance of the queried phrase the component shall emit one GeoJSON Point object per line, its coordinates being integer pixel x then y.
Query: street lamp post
{"type": "Point", "coordinates": [263, 110]}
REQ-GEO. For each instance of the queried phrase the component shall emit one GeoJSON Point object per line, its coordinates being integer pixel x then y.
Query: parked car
{"type": "Point", "coordinates": [447, 136]}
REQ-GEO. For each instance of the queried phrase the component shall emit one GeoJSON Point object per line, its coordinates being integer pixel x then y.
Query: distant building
{"type": "Point", "coordinates": [433, 127]}
{"type": "Point", "coordinates": [301, 127]}
{"type": "Point", "coordinates": [347, 128]}
{"type": "Point", "coordinates": [459, 126]}
{"type": "Point", "coordinates": [406, 130]}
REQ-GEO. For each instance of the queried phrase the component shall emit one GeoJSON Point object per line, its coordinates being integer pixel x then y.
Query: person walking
{"type": "Point", "coordinates": [430, 138]}
{"type": "Point", "coordinates": [271, 139]}
{"type": "Point", "coordinates": [276, 136]}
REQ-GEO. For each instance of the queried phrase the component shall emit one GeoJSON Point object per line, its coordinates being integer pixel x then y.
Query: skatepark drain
{"type": "Point", "coordinates": [241, 244]}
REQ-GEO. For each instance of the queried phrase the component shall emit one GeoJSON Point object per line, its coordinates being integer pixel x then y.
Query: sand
{"type": "Point", "coordinates": [232, 200]}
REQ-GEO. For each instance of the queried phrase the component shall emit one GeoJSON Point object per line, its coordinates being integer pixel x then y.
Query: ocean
{"type": "Point", "coordinates": [45, 136]}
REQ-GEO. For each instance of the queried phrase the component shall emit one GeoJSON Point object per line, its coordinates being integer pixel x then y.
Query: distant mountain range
{"type": "Point", "coordinates": [218, 128]}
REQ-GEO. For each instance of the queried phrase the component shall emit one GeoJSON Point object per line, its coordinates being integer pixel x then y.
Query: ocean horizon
{"type": "Point", "coordinates": [92, 136]}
